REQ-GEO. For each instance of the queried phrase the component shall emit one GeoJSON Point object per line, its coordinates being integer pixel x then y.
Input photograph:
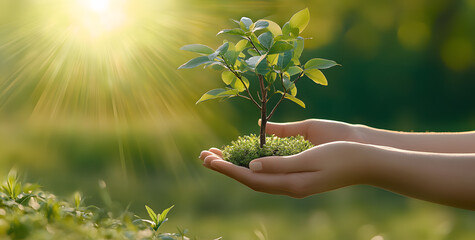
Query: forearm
{"type": "Point", "coordinates": [441, 178]}
{"type": "Point", "coordinates": [463, 142]}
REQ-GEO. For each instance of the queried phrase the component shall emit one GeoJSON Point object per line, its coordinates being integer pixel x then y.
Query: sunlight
{"type": "Point", "coordinates": [95, 18]}
{"type": "Point", "coordinates": [107, 65]}
{"type": "Point", "coordinates": [99, 6]}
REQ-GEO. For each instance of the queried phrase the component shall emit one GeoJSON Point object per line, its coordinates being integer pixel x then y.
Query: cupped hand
{"type": "Point", "coordinates": [322, 168]}
{"type": "Point", "coordinates": [317, 131]}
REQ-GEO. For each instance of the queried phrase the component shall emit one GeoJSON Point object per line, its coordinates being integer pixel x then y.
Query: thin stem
{"type": "Point", "coordinates": [243, 96]}
{"type": "Point", "coordinates": [254, 46]}
{"type": "Point", "coordinates": [301, 74]}
{"type": "Point", "coordinates": [283, 96]}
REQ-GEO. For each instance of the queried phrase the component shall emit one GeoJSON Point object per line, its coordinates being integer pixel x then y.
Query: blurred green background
{"type": "Point", "coordinates": [89, 90]}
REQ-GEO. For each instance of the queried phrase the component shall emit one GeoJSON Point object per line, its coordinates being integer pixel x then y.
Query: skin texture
{"type": "Point", "coordinates": [436, 167]}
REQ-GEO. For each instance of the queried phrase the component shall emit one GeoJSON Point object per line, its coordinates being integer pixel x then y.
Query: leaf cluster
{"type": "Point", "coordinates": [27, 212]}
{"type": "Point", "coordinates": [156, 219]}
{"type": "Point", "coordinates": [246, 148]}
{"type": "Point", "coordinates": [266, 51]}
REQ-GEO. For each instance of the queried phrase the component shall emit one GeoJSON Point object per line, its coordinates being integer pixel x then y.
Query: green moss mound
{"type": "Point", "coordinates": [246, 148]}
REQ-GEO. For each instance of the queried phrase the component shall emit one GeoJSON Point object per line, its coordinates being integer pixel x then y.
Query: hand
{"type": "Point", "coordinates": [317, 131]}
{"type": "Point", "coordinates": [319, 169]}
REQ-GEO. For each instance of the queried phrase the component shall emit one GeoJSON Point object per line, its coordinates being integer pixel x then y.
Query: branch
{"type": "Point", "coordinates": [283, 95]}
{"type": "Point", "coordinates": [243, 96]}
{"type": "Point", "coordinates": [275, 107]}
{"type": "Point", "coordinates": [280, 100]}
{"type": "Point", "coordinates": [301, 74]}
{"type": "Point", "coordinates": [254, 46]}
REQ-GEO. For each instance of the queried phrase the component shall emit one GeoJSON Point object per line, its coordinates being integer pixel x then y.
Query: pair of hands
{"type": "Point", "coordinates": [331, 164]}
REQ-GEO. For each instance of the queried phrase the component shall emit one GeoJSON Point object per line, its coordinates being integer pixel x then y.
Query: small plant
{"type": "Point", "coordinates": [27, 212]}
{"type": "Point", "coordinates": [156, 220]}
{"type": "Point", "coordinates": [267, 56]}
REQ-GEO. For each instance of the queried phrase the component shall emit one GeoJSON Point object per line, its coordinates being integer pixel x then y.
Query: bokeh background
{"type": "Point", "coordinates": [89, 91]}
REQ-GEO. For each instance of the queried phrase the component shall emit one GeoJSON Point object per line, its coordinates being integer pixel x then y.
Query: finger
{"type": "Point", "coordinates": [288, 129]}
{"type": "Point", "coordinates": [210, 158]}
{"type": "Point", "coordinates": [268, 183]}
{"type": "Point", "coordinates": [204, 154]}
{"type": "Point", "coordinates": [302, 162]}
{"type": "Point", "coordinates": [216, 151]}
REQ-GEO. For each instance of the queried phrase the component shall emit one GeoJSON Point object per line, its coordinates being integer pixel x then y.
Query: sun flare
{"type": "Point", "coordinates": [99, 6]}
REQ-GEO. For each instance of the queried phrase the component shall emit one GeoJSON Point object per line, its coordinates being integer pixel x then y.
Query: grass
{"type": "Point", "coordinates": [27, 212]}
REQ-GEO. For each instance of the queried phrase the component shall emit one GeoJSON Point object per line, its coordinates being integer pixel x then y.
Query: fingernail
{"type": "Point", "coordinates": [255, 166]}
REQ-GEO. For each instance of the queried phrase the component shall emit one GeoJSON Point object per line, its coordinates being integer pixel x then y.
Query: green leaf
{"type": "Point", "coordinates": [145, 220]}
{"type": "Point", "coordinates": [294, 70]}
{"type": "Point", "coordinates": [230, 79]}
{"type": "Point", "coordinates": [195, 62]}
{"type": "Point", "coordinates": [272, 59]}
{"type": "Point", "coordinates": [256, 42]}
{"type": "Point", "coordinates": [216, 66]}
{"type": "Point", "coordinates": [259, 25]}
{"type": "Point", "coordinates": [266, 39]}
{"type": "Point", "coordinates": [293, 99]}
{"type": "Point", "coordinates": [245, 23]}
{"type": "Point", "coordinates": [253, 52]}
{"type": "Point", "coordinates": [223, 48]}
{"type": "Point", "coordinates": [241, 45]}
{"type": "Point", "coordinates": [280, 46]}
{"type": "Point", "coordinates": [317, 76]}
{"type": "Point", "coordinates": [298, 48]}
{"type": "Point", "coordinates": [286, 29]}
{"type": "Point", "coordinates": [77, 199]}
{"type": "Point", "coordinates": [300, 20]}
{"type": "Point", "coordinates": [286, 82]}
{"type": "Point", "coordinates": [227, 77]}
{"type": "Point", "coordinates": [262, 67]}
{"type": "Point", "coordinates": [293, 91]}
{"type": "Point", "coordinates": [234, 31]}
{"type": "Point", "coordinates": [284, 60]}
{"type": "Point", "coordinates": [216, 93]}
{"type": "Point", "coordinates": [163, 216]}
{"type": "Point", "coordinates": [152, 214]}
{"type": "Point", "coordinates": [320, 63]}
{"type": "Point", "coordinates": [198, 48]}
{"type": "Point", "coordinates": [231, 54]}
{"type": "Point", "coordinates": [270, 77]}
{"type": "Point", "coordinates": [274, 28]}
{"type": "Point", "coordinates": [254, 61]}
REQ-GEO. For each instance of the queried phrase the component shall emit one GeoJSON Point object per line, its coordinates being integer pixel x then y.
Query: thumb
{"type": "Point", "coordinates": [282, 164]}
{"type": "Point", "coordinates": [287, 129]}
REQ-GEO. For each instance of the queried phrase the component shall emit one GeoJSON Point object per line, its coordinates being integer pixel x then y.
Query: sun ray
{"type": "Point", "coordinates": [110, 63]}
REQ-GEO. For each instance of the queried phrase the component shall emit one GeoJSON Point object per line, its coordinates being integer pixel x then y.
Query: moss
{"type": "Point", "coordinates": [246, 148]}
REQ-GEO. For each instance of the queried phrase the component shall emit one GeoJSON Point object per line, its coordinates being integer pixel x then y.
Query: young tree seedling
{"type": "Point", "coordinates": [268, 56]}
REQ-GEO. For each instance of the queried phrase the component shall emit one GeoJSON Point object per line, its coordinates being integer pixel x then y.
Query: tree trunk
{"type": "Point", "coordinates": [263, 112]}
{"type": "Point", "coordinates": [263, 124]}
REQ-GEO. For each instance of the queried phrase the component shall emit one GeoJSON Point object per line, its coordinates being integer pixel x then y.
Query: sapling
{"type": "Point", "coordinates": [268, 56]}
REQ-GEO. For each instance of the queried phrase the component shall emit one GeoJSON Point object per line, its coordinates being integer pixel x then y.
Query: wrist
{"type": "Point", "coordinates": [361, 160]}
{"type": "Point", "coordinates": [353, 161]}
